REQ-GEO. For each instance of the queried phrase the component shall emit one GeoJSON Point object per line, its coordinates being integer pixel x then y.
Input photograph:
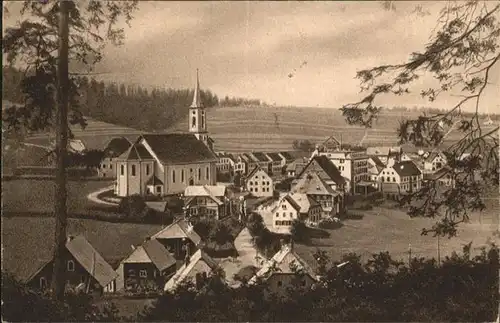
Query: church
{"type": "Point", "coordinates": [165, 164]}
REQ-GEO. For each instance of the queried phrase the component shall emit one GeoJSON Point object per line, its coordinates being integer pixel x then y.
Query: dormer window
{"type": "Point", "coordinates": [70, 265]}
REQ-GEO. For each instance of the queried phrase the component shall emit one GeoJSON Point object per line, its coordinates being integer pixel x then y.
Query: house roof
{"type": "Point", "coordinates": [261, 157]}
{"type": "Point", "coordinates": [377, 161]}
{"type": "Point", "coordinates": [247, 158]}
{"type": "Point", "coordinates": [287, 155]}
{"type": "Point", "coordinates": [254, 171]}
{"type": "Point", "coordinates": [152, 251]}
{"type": "Point", "coordinates": [205, 190]}
{"type": "Point", "coordinates": [136, 152]}
{"type": "Point", "coordinates": [328, 167]}
{"type": "Point", "coordinates": [283, 262]}
{"type": "Point", "coordinates": [406, 168]}
{"type": "Point", "coordinates": [91, 260]}
{"type": "Point", "coordinates": [157, 205]}
{"type": "Point", "coordinates": [311, 183]}
{"type": "Point", "coordinates": [331, 143]}
{"type": "Point", "coordinates": [381, 151]}
{"type": "Point", "coordinates": [117, 146]}
{"type": "Point", "coordinates": [224, 155]}
{"type": "Point", "coordinates": [304, 201]}
{"type": "Point", "coordinates": [198, 263]}
{"type": "Point", "coordinates": [153, 180]}
{"type": "Point", "coordinates": [292, 202]}
{"type": "Point", "coordinates": [178, 148]}
{"type": "Point", "coordinates": [178, 229]}
{"type": "Point", "coordinates": [274, 156]}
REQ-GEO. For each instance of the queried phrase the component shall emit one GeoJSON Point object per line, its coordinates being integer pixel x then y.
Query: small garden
{"type": "Point", "coordinates": [218, 235]}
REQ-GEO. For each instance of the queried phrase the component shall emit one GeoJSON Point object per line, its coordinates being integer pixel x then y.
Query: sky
{"type": "Point", "coordinates": [248, 49]}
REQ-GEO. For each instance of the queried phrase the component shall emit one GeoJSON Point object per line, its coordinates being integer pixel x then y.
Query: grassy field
{"type": "Point", "coordinates": [37, 196]}
{"type": "Point", "coordinates": [258, 128]}
{"type": "Point", "coordinates": [393, 231]}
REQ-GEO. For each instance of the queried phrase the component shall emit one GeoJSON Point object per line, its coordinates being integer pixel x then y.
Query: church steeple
{"type": "Point", "coordinates": [197, 95]}
{"type": "Point", "coordinates": [197, 117]}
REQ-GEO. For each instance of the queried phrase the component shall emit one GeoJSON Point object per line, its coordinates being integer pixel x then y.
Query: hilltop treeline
{"type": "Point", "coordinates": [231, 102]}
{"type": "Point", "coordinates": [127, 105]}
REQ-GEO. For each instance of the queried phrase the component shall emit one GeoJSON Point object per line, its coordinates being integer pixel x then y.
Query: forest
{"type": "Point", "coordinates": [127, 105]}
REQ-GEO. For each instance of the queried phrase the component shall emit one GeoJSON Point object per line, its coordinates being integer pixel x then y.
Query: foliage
{"type": "Point", "coordinates": [299, 231]}
{"type": "Point", "coordinates": [381, 289]}
{"type": "Point", "coordinates": [22, 304]}
{"type": "Point", "coordinates": [303, 145]}
{"type": "Point", "coordinates": [460, 56]}
{"type": "Point", "coordinates": [265, 241]}
{"type": "Point", "coordinates": [133, 206]}
{"type": "Point", "coordinates": [232, 102]}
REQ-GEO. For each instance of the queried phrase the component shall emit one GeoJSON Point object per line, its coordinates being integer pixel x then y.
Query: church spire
{"type": "Point", "coordinates": [197, 95]}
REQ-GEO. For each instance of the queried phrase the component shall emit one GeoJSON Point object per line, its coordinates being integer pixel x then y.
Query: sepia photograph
{"type": "Point", "coordinates": [250, 161]}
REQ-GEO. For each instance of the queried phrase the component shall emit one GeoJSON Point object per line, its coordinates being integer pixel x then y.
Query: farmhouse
{"type": "Point", "coordinates": [113, 149]}
{"type": "Point", "coordinates": [277, 163]}
{"type": "Point", "coordinates": [403, 176]}
{"type": "Point", "coordinates": [165, 164]}
{"type": "Point", "coordinates": [179, 238]}
{"type": "Point", "coordinates": [259, 184]}
{"type": "Point", "coordinates": [434, 161]}
{"type": "Point", "coordinates": [148, 267]}
{"type": "Point", "coordinates": [205, 201]}
{"type": "Point", "coordinates": [285, 270]}
{"type": "Point", "coordinates": [327, 171]}
{"type": "Point", "coordinates": [316, 188]}
{"type": "Point", "coordinates": [195, 270]}
{"type": "Point", "coordinates": [383, 152]}
{"type": "Point", "coordinates": [261, 159]}
{"type": "Point", "coordinates": [239, 165]}
{"type": "Point", "coordinates": [226, 163]}
{"type": "Point", "coordinates": [85, 268]}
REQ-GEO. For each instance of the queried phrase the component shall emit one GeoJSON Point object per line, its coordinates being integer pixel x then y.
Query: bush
{"type": "Point", "coordinates": [133, 206]}
{"type": "Point", "coordinates": [299, 231]}
{"type": "Point", "coordinates": [330, 224]}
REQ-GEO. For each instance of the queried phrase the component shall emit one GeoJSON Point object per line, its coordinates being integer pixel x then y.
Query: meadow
{"type": "Point", "coordinates": [238, 129]}
{"type": "Point", "coordinates": [383, 229]}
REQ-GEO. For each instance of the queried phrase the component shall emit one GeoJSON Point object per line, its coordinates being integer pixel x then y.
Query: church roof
{"type": "Point", "coordinates": [178, 148]}
{"type": "Point", "coordinates": [136, 152]}
{"type": "Point", "coordinates": [197, 94]}
{"type": "Point", "coordinates": [154, 181]}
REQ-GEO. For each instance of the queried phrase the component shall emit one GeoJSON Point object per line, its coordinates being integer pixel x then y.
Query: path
{"type": "Point", "coordinates": [93, 196]}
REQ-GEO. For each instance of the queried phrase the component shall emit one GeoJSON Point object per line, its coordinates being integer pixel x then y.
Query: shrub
{"type": "Point", "coordinates": [299, 231]}
{"type": "Point", "coordinates": [133, 206]}
{"type": "Point", "coordinates": [330, 224]}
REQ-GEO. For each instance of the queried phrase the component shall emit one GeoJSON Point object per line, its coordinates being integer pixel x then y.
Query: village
{"type": "Point", "coordinates": [309, 190]}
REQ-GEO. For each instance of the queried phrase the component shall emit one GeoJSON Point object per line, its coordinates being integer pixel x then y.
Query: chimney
{"type": "Point", "coordinates": [69, 238]}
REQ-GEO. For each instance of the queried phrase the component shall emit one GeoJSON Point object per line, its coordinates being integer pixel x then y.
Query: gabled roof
{"type": "Point", "coordinates": [198, 263]}
{"type": "Point", "coordinates": [274, 156]}
{"type": "Point", "coordinates": [205, 190]}
{"type": "Point", "coordinates": [328, 167]}
{"type": "Point", "coordinates": [331, 143]}
{"type": "Point", "coordinates": [434, 154]}
{"type": "Point", "coordinates": [312, 184]}
{"type": "Point", "coordinates": [406, 168]}
{"type": "Point", "coordinates": [178, 229]}
{"type": "Point", "coordinates": [157, 205]}
{"type": "Point", "coordinates": [261, 157]}
{"type": "Point", "coordinates": [304, 201]}
{"type": "Point", "coordinates": [154, 181]}
{"type": "Point", "coordinates": [377, 161]}
{"type": "Point", "coordinates": [282, 263]}
{"type": "Point", "coordinates": [381, 151]}
{"type": "Point", "coordinates": [91, 260]}
{"type": "Point", "coordinates": [254, 171]}
{"type": "Point", "coordinates": [246, 158]}
{"type": "Point", "coordinates": [287, 156]}
{"type": "Point", "coordinates": [178, 148]}
{"type": "Point", "coordinates": [152, 251]}
{"type": "Point", "coordinates": [224, 155]}
{"type": "Point", "coordinates": [292, 202]}
{"type": "Point", "coordinates": [117, 146]}
{"type": "Point", "coordinates": [136, 152]}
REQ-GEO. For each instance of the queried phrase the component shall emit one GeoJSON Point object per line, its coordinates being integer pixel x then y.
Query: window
{"type": "Point", "coordinates": [263, 183]}
{"type": "Point", "coordinates": [70, 265]}
{"type": "Point", "coordinates": [277, 223]}
{"type": "Point", "coordinates": [103, 166]}
{"type": "Point", "coordinates": [394, 179]}
{"type": "Point", "coordinates": [251, 183]}
{"type": "Point", "coordinates": [133, 170]}
{"type": "Point", "coordinates": [280, 283]}
{"type": "Point", "coordinates": [131, 273]}
{"type": "Point", "coordinates": [199, 173]}
{"type": "Point", "coordinates": [290, 214]}
{"type": "Point", "coordinates": [193, 124]}
{"type": "Point", "coordinates": [147, 169]}
{"type": "Point", "coordinates": [207, 174]}
{"type": "Point", "coordinates": [283, 206]}
{"type": "Point", "coordinates": [43, 282]}
{"type": "Point", "coordinates": [277, 214]}
{"type": "Point", "coordinates": [158, 189]}
{"type": "Point", "coordinates": [256, 189]}
{"type": "Point", "coordinates": [110, 166]}
{"type": "Point", "coordinates": [173, 175]}
{"type": "Point", "coordinates": [251, 189]}
{"type": "Point", "coordinates": [122, 169]}
{"type": "Point", "coordinates": [143, 273]}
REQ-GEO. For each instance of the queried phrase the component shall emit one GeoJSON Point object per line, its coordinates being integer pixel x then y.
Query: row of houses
{"type": "Point", "coordinates": [273, 163]}
{"type": "Point", "coordinates": [169, 258]}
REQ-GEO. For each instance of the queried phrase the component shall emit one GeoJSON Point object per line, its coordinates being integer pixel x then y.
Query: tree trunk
{"type": "Point", "coordinates": [58, 280]}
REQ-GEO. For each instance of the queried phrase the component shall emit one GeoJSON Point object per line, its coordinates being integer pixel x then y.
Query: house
{"type": "Point", "coordinates": [261, 160]}
{"type": "Point", "coordinates": [287, 157]}
{"type": "Point", "coordinates": [383, 152]}
{"type": "Point", "coordinates": [352, 164]}
{"type": "Point", "coordinates": [148, 267]}
{"type": "Point", "coordinates": [239, 165]}
{"type": "Point", "coordinates": [225, 163]}
{"type": "Point", "coordinates": [286, 269]}
{"type": "Point", "coordinates": [85, 269]}
{"type": "Point", "coordinates": [205, 200]}
{"type": "Point", "coordinates": [277, 163]}
{"type": "Point", "coordinates": [165, 164]}
{"type": "Point", "coordinates": [284, 213]}
{"type": "Point", "coordinates": [444, 176]}
{"type": "Point", "coordinates": [401, 178]}
{"type": "Point", "coordinates": [113, 149]}
{"type": "Point", "coordinates": [434, 161]}
{"type": "Point", "coordinates": [195, 270]}
{"type": "Point", "coordinates": [250, 162]}
{"type": "Point", "coordinates": [327, 171]}
{"type": "Point", "coordinates": [375, 166]}
{"type": "Point", "coordinates": [309, 209]}
{"type": "Point", "coordinates": [258, 183]}
{"type": "Point", "coordinates": [178, 238]}
{"type": "Point", "coordinates": [311, 184]}
{"type": "Point", "coordinates": [295, 167]}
